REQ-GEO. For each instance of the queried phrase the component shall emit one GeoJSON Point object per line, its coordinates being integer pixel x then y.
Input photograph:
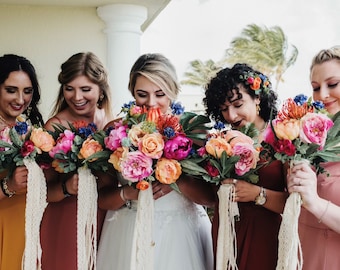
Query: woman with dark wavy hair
{"type": "Point", "coordinates": [238, 96]}
{"type": "Point", "coordinates": [19, 96]}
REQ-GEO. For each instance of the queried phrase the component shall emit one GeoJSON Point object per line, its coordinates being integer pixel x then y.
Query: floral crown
{"type": "Point", "coordinates": [256, 82]}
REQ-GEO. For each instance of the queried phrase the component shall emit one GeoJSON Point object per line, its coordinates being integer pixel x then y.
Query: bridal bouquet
{"type": "Point", "coordinates": [302, 132]}
{"type": "Point", "coordinates": [149, 146]}
{"type": "Point", "coordinates": [28, 145]}
{"type": "Point", "coordinates": [80, 148]}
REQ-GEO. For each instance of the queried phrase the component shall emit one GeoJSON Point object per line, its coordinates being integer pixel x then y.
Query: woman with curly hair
{"type": "Point", "coordinates": [238, 96]}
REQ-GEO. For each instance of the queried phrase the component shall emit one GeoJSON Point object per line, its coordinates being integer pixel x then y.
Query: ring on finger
{"type": "Point", "coordinates": [234, 181]}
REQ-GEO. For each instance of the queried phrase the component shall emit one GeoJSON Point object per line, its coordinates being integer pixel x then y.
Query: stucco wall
{"type": "Point", "coordinates": [47, 36]}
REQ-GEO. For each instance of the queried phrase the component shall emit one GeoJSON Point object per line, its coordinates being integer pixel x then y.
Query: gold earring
{"type": "Point", "coordinates": [258, 109]}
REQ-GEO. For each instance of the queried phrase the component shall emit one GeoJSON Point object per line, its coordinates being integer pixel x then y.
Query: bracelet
{"type": "Point", "coordinates": [323, 214]}
{"type": "Point", "coordinates": [5, 189]}
{"type": "Point", "coordinates": [122, 196]}
{"type": "Point", "coordinates": [65, 192]}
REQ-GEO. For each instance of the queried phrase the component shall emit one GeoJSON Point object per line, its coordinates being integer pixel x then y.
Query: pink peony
{"type": "Point", "coordinates": [136, 166]}
{"type": "Point", "coordinates": [64, 143]}
{"type": "Point", "coordinates": [248, 158]}
{"type": "Point", "coordinates": [113, 141]}
{"type": "Point", "coordinates": [178, 148]}
{"type": "Point", "coordinates": [314, 128]}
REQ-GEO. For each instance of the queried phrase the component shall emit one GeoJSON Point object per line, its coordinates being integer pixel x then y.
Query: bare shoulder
{"type": "Point", "coordinates": [112, 123]}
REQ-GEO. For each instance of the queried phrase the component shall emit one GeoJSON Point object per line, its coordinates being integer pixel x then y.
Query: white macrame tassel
{"type": "Point", "coordinates": [35, 206]}
{"type": "Point", "coordinates": [290, 253]}
{"type": "Point", "coordinates": [142, 253]}
{"type": "Point", "coordinates": [226, 242]}
{"type": "Point", "coordinates": [86, 220]}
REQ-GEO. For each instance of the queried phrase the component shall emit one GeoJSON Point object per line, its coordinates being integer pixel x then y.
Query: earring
{"type": "Point", "coordinates": [28, 111]}
{"type": "Point", "coordinates": [100, 101]}
{"type": "Point", "coordinates": [258, 109]}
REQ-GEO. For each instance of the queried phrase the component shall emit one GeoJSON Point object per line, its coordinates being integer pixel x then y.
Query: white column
{"type": "Point", "coordinates": [123, 30]}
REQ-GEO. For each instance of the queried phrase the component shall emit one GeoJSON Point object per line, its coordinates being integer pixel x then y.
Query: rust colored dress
{"type": "Point", "coordinates": [258, 228]}
{"type": "Point", "coordinates": [320, 245]}
{"type": "Point", "coordinates": [59, 234]}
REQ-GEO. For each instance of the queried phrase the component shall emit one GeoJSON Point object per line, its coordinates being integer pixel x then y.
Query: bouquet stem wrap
{"type": "Point", "coordinates": [143, 244]}
{"type": "Point", "coordinates": [290, 252]}
{"type": "Point", "coordinates": [35, 206]}
{"type": "Point", "coordinates": [86, 219]}
{"type": "Point", "coordinates": [226, 242]}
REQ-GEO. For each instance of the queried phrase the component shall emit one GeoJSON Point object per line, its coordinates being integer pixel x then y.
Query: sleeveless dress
{"type": "Point", "coordinates": [258, 228]}
{"type": "Point", "coordinates": [12, 231]}
{"type": "Point", "coordinates": [320, 245]}
{"type": "Point", "coordinates": [59, 234]}
{"type": "Point", "coordinates": [182, 234]}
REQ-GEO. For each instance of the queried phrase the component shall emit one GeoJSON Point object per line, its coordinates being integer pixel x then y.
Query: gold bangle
{"type": "Point", "coordinates": [5, 189]}
{"type": "Point", "coordinates": [324, 212]}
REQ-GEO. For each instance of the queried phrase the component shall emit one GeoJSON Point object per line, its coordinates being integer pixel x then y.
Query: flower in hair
{"type": "Point", "coordinates": [256, 82]}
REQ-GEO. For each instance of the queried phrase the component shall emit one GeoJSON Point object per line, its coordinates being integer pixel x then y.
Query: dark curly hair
{"type": "Point", "coordinates": [220, 89]}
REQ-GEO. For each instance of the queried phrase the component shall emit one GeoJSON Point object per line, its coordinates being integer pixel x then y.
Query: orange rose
{"type": "Point", "coordinates": [235, 136]}
{"type": "Point", "coordinates": [256, 84]}
{"type": "Point", "coordinates": [167, 170]}
{"type": "Point", "coordinates": [142, 185]}
{"type": "Point", "coordinates": [89, 147]}
{"type": "Point", "coordinates": [216, 146]}
{"type": "Point", "coordinates": [42, 139]}
{"type": "Point", "coordinates": [135, 134]}
{"type": "Point", "coordinates": [116, 156]}
{"type": "Point", "coordinates": [152, 145]}
{"type": "Point", "coordinates": [287, 129]}
{"type": "Point", "coordinates": [153, 115]}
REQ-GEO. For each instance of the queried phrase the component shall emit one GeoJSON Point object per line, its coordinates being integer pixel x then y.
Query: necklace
{"type": "Point", "coordinates": [264, 128]}
{"type": "Point", "coordinates": [4, 121]}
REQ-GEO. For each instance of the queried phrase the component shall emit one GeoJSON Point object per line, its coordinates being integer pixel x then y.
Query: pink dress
{"type": "Point", "coordinates": [321, 245]}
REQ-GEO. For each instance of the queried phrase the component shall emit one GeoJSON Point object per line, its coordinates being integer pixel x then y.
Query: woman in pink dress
{"type": "Point", "coordinates": [319, 222]}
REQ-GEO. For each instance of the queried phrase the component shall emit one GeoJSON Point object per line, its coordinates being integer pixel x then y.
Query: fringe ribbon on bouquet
{"type": "Point", "coordinates": [226, 242]}
{"type": "Point", "coordinates": [290, 253]}
{"type": "Point", "coordinates": [142, 253]}
{"type": "Point", "coordinates": [35, 206]}
{"type": "Point", "coordinates": [87, 219]}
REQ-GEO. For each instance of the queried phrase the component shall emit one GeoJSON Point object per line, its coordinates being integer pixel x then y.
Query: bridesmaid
{"type": "Point", "coordinates": [19, 94]}
{"type": "Point", "coordinates": [84, 95]}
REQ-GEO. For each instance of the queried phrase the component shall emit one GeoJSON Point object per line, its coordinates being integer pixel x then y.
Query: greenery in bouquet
{"type": "Point", "coordinates": [147, 145]}
{"type": "Point", "coordinates": [24, 141]}
{"type": "Point", "coordinates": [227, 153]}
{"type": "Point", "coordinates": [79, 144]}
{"type": "Point", "coordinates": [303, 131]}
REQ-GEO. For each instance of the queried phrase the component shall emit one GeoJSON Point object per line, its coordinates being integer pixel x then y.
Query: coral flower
{"type": "Point", "coordinates": [291, 110]}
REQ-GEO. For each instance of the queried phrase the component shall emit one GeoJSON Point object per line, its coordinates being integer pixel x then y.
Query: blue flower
{"type": "Point", "coordinates": [318, 105]}
{"type": "Point", "coordinates": [177, 108]}
{"type": "Point", "coordinates": [21, 128]}
{"type": "Point", "coordinates": [219, 125]}
{"type": "Point", "coordinates": [169, 132]}
{"type": "Point", "coordinates": [87, 131]}
{"type": "Point", "coordinates": [300, 99]}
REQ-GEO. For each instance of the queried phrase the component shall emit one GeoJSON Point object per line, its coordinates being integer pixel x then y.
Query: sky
{"type": "Point", "coordinates": [203, 29]}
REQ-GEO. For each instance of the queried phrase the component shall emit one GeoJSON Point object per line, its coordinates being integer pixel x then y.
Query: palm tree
{"type": "Point", "coordinates": [201, 72]}
{"type": "Point", "coordinates": [265, 49]}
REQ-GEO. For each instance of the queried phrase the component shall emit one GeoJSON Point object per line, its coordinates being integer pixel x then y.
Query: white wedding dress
{"type": "Point", "coordinates": [182, 234]}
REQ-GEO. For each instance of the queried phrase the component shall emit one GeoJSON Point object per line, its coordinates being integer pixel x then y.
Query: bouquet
{"type": "Point", "coordinates": [80, 148]}
{"type": "Point", "coordinates": [28, 145]}
{"type": "Point", "coordinates": [147, 146]}
{"type": "Point", "coordinates": [302, 132]}
{"type": "Point", "coordinates": [227, 154]}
